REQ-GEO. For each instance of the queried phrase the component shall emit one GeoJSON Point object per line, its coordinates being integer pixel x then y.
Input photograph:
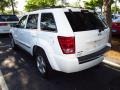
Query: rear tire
{"type": "Point", "coordinates": [43, 65]}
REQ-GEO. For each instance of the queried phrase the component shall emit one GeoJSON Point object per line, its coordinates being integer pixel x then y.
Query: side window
{"type": "Point", "coordinates": [32, 21]}
{"type": "Point", "coordinates": [22, 22]}
{"type": "Point", "coordinates": [47, 22]}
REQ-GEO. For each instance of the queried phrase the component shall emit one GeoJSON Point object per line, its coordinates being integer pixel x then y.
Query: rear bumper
{"type": "Point", "coordinates": [73, 64]}
{"type": "Point", "coordinates": [3, 31]}
{"type": "Point", "coordinates": [93, 56]}
{"type": "Point", "coordinates": [68, 65]}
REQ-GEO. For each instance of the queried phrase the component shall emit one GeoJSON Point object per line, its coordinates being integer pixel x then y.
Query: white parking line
{"type": "Point", "coordinates": [3, 84]}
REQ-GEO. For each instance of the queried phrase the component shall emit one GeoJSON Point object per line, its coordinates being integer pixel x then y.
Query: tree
{"type": "Point", "coordinates": [11, 12]}
{"type": "Point", "coordinates": [6, 4]}
{"type": "Point", "coordinates": [12, 4]}
{"type": "Point", "coordinates": [93, 3]}
{"type": "Point", "coordinates": [3, 5]}
{"type": "Point", "coordinates": [107, 13]}
{"type": "Point", "coordinates": [115, 9]}
{"type": "Point", "coordinates": [37, 4]}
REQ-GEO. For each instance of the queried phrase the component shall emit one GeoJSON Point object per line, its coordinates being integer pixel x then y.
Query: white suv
{"type": "Point", "coordinates": [63, 39]}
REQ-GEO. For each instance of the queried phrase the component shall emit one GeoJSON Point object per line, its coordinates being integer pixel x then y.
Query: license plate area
{"type": "Point", "coordinates": [93, 56]}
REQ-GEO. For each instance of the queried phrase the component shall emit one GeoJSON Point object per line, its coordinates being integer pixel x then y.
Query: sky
{"type": "Point", "coordinates": [21, 3]}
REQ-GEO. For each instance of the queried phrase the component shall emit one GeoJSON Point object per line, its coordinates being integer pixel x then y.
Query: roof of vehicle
{"type": "Point", "coordinates": [8, 18]}
{"type": "Point", "coordinates": [59, 9]}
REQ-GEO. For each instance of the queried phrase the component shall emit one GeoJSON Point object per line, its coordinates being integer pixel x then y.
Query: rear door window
{"type": "Point", "coordinates": [48, 22]}
{"type": "Point", "coordinates": [8, 18]}
{"type": "Point", "coordinates": [84, 21]}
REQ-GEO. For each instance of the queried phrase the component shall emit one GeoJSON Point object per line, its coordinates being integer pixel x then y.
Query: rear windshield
{"type": "Point", "coordinates": [84, 21]}
{"type": "Point", "coordinates": [7, 18]}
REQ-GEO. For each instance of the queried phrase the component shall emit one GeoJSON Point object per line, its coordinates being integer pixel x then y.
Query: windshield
{"type": "Point", "coordinates": [6, 18]}
{"type": "Point", "coordinates": [84, 21]}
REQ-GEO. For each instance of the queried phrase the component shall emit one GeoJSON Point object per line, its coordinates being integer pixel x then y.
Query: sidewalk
{"type": "Point", "coordinates": [112, 57]}
{"type": "Point", "coordinates": [111, 62]}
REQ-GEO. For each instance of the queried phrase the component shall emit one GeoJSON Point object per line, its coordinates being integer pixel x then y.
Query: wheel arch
{"type": "Point", "coordinates": [35, 49]}
{"type": "Point", "coordinates": [50, 57]}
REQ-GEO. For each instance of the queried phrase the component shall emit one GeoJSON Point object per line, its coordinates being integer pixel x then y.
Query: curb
{"type": "Point", "coordinates": [107, 61]}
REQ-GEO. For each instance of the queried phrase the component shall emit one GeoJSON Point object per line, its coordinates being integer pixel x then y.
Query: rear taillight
{"type": "Point", "coordinates": [67, 44]}
{"type": "Point", "coordinates": [3, 24]}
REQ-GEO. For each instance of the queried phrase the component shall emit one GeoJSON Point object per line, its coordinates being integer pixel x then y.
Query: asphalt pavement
{"type": "Point", "coordinates": [20, 73]}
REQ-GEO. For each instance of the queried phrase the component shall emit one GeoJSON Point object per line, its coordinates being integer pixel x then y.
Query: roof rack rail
{"type": "Point", "coordinates": [61, 6]}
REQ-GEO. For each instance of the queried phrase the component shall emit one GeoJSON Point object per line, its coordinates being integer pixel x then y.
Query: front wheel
{"type": "Point", "coordinates": [13, 45]}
